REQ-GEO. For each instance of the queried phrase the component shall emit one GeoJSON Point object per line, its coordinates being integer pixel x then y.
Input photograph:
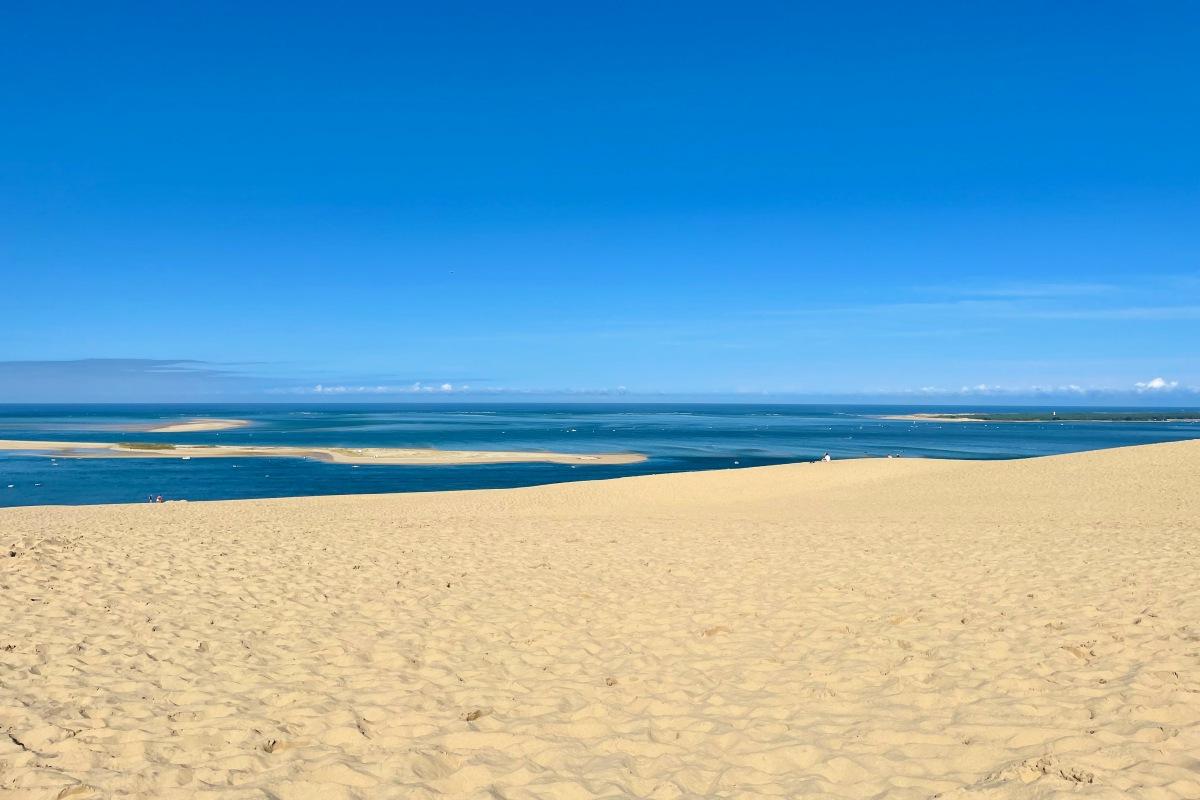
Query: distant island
{"type": "Point", "coordinates": [1056, 416]}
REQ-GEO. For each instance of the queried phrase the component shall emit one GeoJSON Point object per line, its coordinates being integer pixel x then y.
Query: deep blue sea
{"type": "Point", "coordinates": [676, 437]}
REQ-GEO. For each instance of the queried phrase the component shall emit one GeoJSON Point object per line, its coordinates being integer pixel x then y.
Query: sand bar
{"type": "Point", "coordinates": [1113, 417]}
{"type": "Point", "coordinates": [338, 455]}
{"type": "Point", "coordinates": [899, 628]}
{"type": "Point", "coordinates": [199, 424]}
{"type": "Point", "coordinates": [931, 417]}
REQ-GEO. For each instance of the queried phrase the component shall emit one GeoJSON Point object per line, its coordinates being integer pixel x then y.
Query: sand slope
{"type": "Point", "coordinates": [872, 629]}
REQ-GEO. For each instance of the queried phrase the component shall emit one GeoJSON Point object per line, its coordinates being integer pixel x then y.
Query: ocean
{"type": "Point", "coordinates": [675, 437]}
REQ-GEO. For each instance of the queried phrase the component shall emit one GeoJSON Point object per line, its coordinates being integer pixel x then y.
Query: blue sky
{"type": "Point", "coordinates": [874, 201]}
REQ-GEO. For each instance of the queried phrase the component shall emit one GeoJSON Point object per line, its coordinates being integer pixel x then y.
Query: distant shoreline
{"type": "Point", "coordinates": [336, 455]}
{"type": "Point", "coordinates": [1070, 416]}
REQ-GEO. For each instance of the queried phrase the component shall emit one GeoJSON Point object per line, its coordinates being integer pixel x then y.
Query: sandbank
{"type": "Point", "coordinates": [199, 424]}
{"type": "Point", "coordinates": [1073, 416]}
{"type": "Point", "coordinates": [338, 455]}
{"type": "Point", "coordinates": [931, 417]}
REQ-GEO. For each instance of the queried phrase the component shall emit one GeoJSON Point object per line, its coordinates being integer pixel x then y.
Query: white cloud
{"type": "Point", "coordinates": [341, 389]}
{"type": "Point", "coordinates": [1042, 391]}
{"type": "Point", "coordinates": [1156, 385]}
{"type": "Point", "coordinates": [422, 388]}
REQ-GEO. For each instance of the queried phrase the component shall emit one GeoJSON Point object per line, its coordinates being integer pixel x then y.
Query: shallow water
{"type": "Point", "coordinates": [676, 437]}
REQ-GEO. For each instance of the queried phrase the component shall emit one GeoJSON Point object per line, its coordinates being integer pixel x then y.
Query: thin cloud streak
{"type": "Point", "coordinates": [1026, 290]}
{"type": "Point", "coordinates": [1148, 313]}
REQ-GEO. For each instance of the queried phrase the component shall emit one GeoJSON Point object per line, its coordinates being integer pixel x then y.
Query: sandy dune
{"type": "Point", "coordinates": [873, 629]}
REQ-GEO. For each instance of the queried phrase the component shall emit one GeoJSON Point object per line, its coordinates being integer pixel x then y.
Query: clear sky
{"type": "Point", "coordinates": [925, 201]}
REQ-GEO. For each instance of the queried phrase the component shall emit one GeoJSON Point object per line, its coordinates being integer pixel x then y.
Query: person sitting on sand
{"type": "Point", "coordinates": [826, 457]}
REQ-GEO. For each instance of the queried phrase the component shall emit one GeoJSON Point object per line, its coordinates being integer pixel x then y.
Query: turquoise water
{"type": "Point", "coordinates": [677, 437]}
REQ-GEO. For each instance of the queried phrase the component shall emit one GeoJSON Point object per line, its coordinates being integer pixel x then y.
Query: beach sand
{"type": "Point", "coordinates": [884, 628]}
